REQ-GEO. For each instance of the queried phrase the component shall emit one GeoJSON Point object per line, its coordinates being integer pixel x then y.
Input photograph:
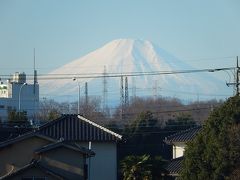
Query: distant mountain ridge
{"type": "Point", "coordinates": [130, 56]}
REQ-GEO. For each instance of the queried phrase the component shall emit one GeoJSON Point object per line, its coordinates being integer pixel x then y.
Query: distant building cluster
{"type": "Point", "coordinates": [19, 95]}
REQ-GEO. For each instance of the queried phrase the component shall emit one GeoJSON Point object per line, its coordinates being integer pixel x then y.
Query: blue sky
{"type": "Point", "coordinates": [204, 33]}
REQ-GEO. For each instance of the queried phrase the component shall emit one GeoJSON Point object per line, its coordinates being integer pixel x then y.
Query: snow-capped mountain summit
{"type": "Point", "coordinates": [128, 56]}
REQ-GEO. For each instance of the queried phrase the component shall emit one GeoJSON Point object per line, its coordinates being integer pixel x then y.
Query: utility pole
{"type": "Point", "coordinates": [236, 84]}
{"type": "Point", "coordinates": [155, 90]}
{"type": "Point", "coordinates": [237, 78]}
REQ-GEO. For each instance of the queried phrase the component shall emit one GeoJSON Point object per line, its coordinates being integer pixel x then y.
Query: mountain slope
{"type": "Point", "coordinates": [124, 56]}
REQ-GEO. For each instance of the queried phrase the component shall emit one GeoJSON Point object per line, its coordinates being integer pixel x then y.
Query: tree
{"type": "Point", "coordinates": [49, 110]}
{"type": "Point", "coordinates": [18, 118]}
{"type": "Point", "coordinates": [142, 167]}
{"type": "Point", "coordinates": [136, 167]}
{"type": "Point", "coordinates": [234, 136]}
{"type": "Point", "coordinates": [145, 122]}
{"type": "Point", "coordinates": [181, 122]}
{"type": "Point", "coordinates": [215, 152]}
{"type": "Point", "coordinates": [158, 168]}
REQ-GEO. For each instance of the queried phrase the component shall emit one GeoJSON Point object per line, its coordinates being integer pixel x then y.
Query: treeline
{"type": "Point", "coordinates": [165, 110]}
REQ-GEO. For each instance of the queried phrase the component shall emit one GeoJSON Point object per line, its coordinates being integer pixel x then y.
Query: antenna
{"type": "Point", "coordinates": [34, 58]}
{"type": "Point", "coordinates": [34, 72]}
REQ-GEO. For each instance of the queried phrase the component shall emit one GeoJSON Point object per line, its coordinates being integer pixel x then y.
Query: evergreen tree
{"type": "Point", "coordinates": [181, 122]}
{"type": "Point", "coordinates": [143, 167]}
{"type": "Point", "coordinates": [215, 152]}
{"type": "Point", "coordinates": [145, 122]}
{"type": "Point", "coordinates": [136, 168]}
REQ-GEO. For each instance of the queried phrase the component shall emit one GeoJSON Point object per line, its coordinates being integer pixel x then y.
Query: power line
{"type": "Point", "coordinates": [100, 75]}
{"type": "Point", "coordinates": [148, 89]}
{"type": "Point", "coordinates": [133, 113]}
{"type": "Point", "coordinates": [125, 64]}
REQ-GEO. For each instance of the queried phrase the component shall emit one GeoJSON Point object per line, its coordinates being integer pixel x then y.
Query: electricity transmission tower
{"type": "Point", "coordinates": [105, 89]}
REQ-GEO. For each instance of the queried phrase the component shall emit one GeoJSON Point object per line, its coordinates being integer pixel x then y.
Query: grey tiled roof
{"type": "Point", "coordinates": [183, 136]}
{"type": "Point", "coordinates": [68, 128]}
{"type": "Point", "coordinates": [77, 128]}
{"type": "Point", "coordinates": [174, 166]}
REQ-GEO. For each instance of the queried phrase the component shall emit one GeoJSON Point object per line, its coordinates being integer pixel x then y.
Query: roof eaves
{"type": "Point", "coordinates": [50, 122]}
{"type": "Point", "coordinates": [89, 152]}
{"type": "Point", "coordinates": [173, 138]}
{"type": "Point", "coordinates": [34, 163]}
{"type": "Point", "coordinates": [172, 142]}
{"type": "Point", "coordinates": [48, 147]}
{"type": "Point", "coordinates": [67, 145]}
{"type": "Point", "coordinates": [100, 127]}
{"type": "Point", "coordinates": [17, 171]}
{"type": "Point", "coordinates": [16, 139]}
{"type": "Point", "coordinates": [22, 137]}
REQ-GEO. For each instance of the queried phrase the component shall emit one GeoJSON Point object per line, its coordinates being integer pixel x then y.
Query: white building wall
{"type": "Point", "coordinates": [178, 150]}
{"type": "Point", "coordinates": [3, 90]}
{"type": "Point", "coordinates": [29, 101]}
{"type": "Point", "coordinates": [103, 166]}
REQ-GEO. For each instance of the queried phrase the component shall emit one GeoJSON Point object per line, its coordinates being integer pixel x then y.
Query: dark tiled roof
{"type": "Point", "coordinates": [183, 136]}
{"type": "Point", "coordinates": [7, 133]}
{"type": "Point", "coordinates": [72, 146]}
{"type": "Point", "coordinates": [235, 175]}
{"type": "Point", "coordinates": [33, 164]}
{"type": "Point", "coordinates": [174, 166]}
{"type": "Point", "coordinates": [77, 128]}
{"type": "Point", "coordinates": [23, 137]}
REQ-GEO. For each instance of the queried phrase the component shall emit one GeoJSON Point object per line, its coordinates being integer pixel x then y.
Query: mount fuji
{"type": "Point", "coordinates": [129, 57]}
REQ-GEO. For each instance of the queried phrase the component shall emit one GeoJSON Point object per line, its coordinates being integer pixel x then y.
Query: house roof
{"type": "Point", "coordinates": [23, 137]}
{"type": "Point", "coordinates": [33, 164]}
{"type": "Point", "coordinates": [53, 145]}
{"type": "Point", "coordinates": [183, 136]}
{"type": "Point", "coordinates": [72, 146]}
{"type": "Point", "coordinates": [68, 128]}
{"type": "Point", "coordinates": [77, 128]}
{"type": "Point", "coordinates": [174, 166]}
{"type": "Point", "coordinates": [11, 132]}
